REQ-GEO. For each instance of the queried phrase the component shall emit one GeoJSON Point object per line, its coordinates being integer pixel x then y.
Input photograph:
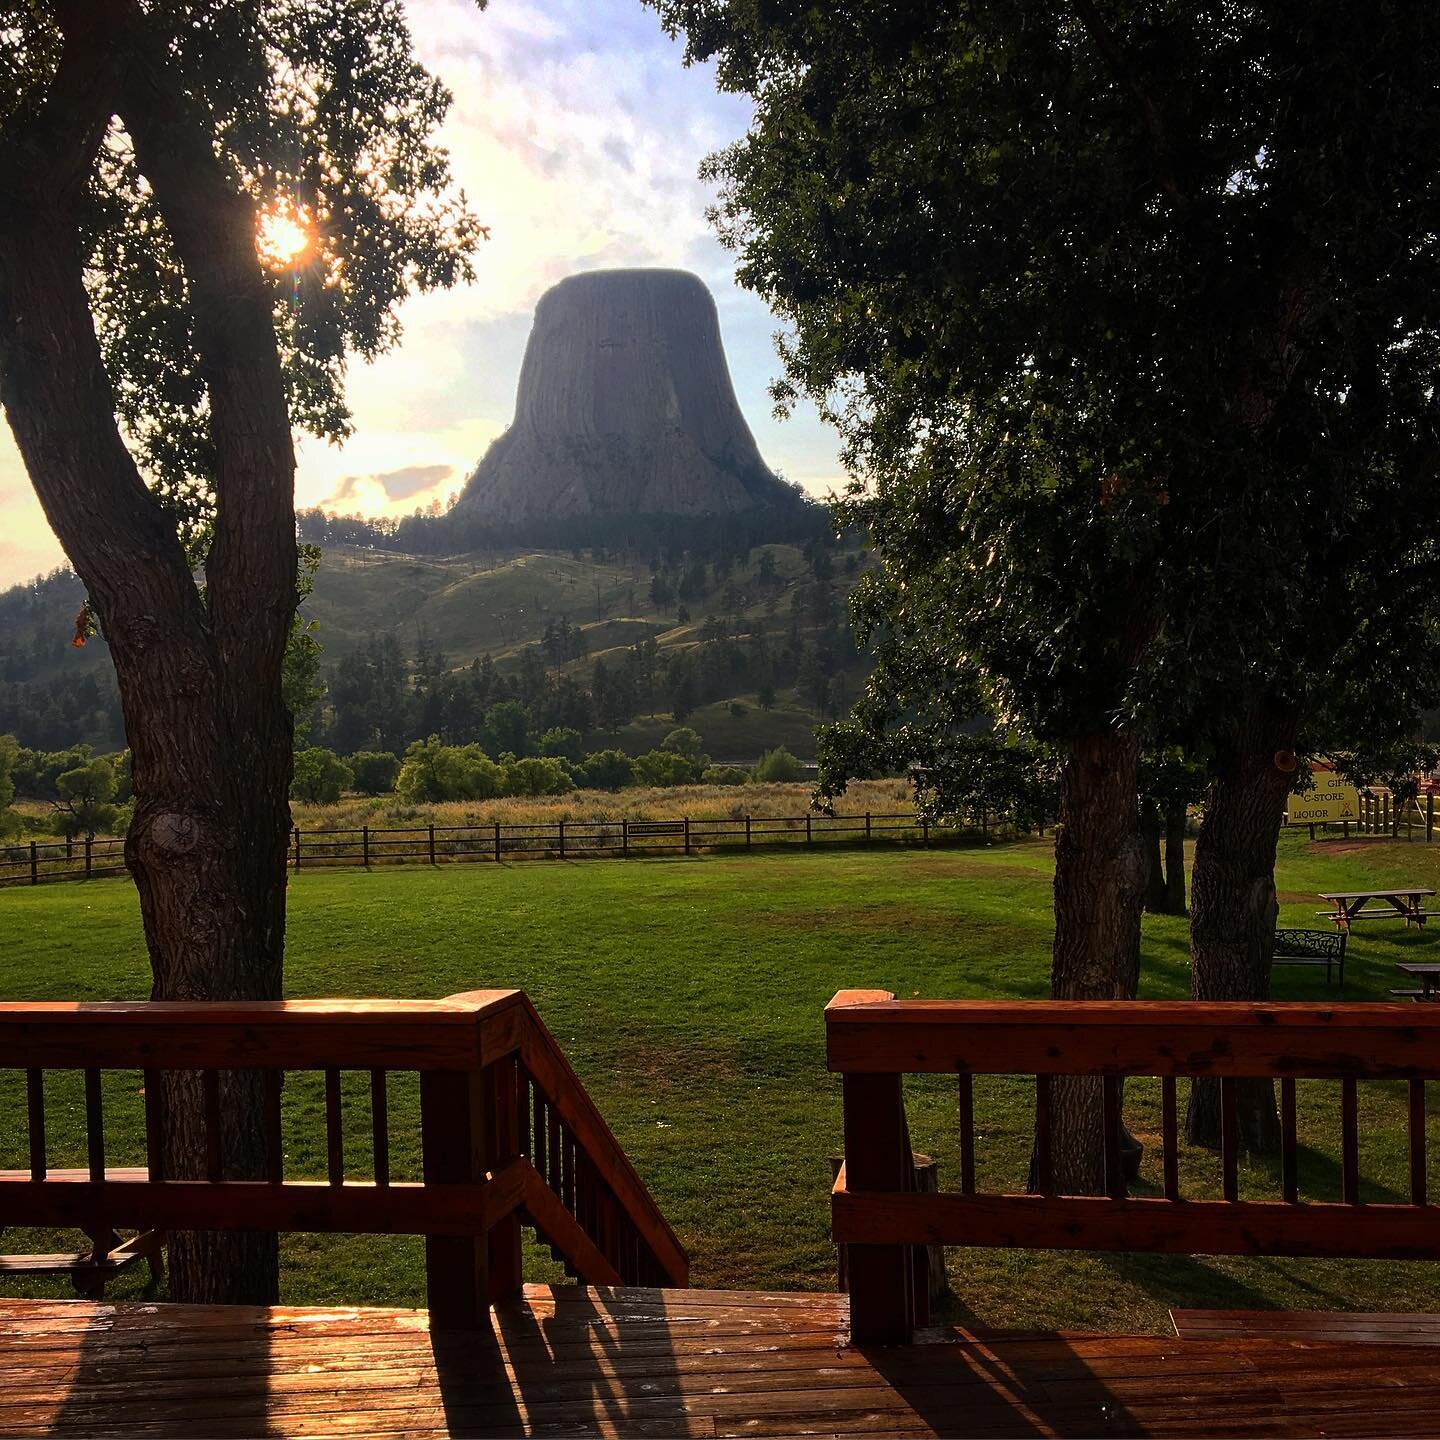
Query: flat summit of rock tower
{"type": "Point", "coordinates": [624, 406]}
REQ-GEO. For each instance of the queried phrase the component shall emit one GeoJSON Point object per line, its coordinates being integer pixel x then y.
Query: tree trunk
{"type": "Point", "coordinates": [1154, 870]}
{"type": "Point", "coordinates": [1233, 905]}
{"type": "Point", "coordinates": [1100, 874]}
{"type": "Point", "coordinates": [1176, 819]}
{"type": "Point", "coordinates": [199, 678]}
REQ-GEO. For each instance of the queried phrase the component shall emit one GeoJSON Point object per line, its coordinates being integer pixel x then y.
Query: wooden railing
{"type": "Point", "coordinates": [873, 1040]}
{"type": "Point", "coordinates": [508, 1136]}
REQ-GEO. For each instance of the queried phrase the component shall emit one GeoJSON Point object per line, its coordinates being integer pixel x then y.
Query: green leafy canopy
{"type": "Point", "coordinates": [322, 112]}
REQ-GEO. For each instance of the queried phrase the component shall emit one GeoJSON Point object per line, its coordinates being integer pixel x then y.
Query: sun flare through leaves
{"type": "Point", "coordinates": [284, 234]}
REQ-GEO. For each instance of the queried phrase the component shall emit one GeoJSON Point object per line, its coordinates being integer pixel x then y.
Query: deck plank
{"type": "Point", "coordinates": [599, 1362]}
{"type": "Point", "coordinates": [1336, 1326]}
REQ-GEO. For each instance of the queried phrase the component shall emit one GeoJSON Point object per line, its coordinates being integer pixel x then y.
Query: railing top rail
{"type": "Point", "coordinates": [869, 1031]}
{"type": "Point", "coordinates": [292, 1034]}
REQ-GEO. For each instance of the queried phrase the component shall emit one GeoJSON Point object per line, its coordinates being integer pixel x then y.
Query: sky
{"type": "Point", "coordinates": [577, 134]}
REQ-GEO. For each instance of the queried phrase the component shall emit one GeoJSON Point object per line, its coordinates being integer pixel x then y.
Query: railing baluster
{"type": "Point", "coordinates": [1289, 1177]}
{"type": "Point", "coordinates": [334, 1130]}
{"type": "Point", "coordinates": [274, 1139]}
{"type": "Point", "coordinates": [1229, 1138]}
{"type": "Point", "coordinates": [1349, 1141]}
{"type": "Point", "coordinates": [154, 1130]}
{"type": "Point", "coordinates": [94, 1125]}
{"type": "Point", "coordinates": [210, 1084]}
{"type": "Point", "coordinates": [1170, 1137]}
{"type": "Point", "coordinates": [35, 1104]}
{"type": "Point", "coordinates": [539, 1129]}
{"type": "Point", "coordinates": [1114, 1166]}
{"type": "Point", "coordinates": [380, 1126]}
{"type": "Point", "coordinates": [967, 1133]}
{"type": "Point", "coordinates": [556, 1151]}
{"type": "Point", "coordinates": [1044, 1167]}
{"type": "Point", "coordinates": [523, 1108]}
{"type": "Point", "coordinates": [1417, 1141]}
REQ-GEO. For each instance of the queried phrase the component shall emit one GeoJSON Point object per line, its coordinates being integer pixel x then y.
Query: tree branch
{"type": "Point", "coordinates": [250, 572]}
{"type": "Point", "coordinates": [1109, 47]}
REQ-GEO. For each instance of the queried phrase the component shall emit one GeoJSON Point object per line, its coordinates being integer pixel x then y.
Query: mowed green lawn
{"type": "Point", "coordinates": [689, 996]}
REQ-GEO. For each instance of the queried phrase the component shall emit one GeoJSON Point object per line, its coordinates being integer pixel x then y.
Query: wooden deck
{"type": "Point", "coordinates": [639, 1362]}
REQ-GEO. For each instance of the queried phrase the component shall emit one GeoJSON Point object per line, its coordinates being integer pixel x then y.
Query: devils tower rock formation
{"type": "Point", "coordinates": [625, 407]}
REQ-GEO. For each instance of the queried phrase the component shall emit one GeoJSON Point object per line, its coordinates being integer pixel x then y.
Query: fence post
{"type": "Point", "coordinates": [497, 842]}
{"type": "Point", "coordinates": [867, 826]}
{"type": "Point", "coordinates": [430, 830]}
{"type": "Point", "coordinates": [69, 847]}
{"type": "Point", "coordinates": [562, 839]}
{"type": "Point", "coordinates": [924, 829]}
{"type": "Point", "coordinates": [34, 865]}
{"type": "Point", "coordinates": [747, 831]}
{"type": "Point", "coordinates": [625, 836]}
{"type": "Point", "coordinates": [297, 847]}
{"type": "Point", "coordinates": [88, 859]}
{"type": "Point", "coordinates": [687, 834]}
{"type": "Point", "coordinates": [1429, 816]}
{"type": "Point", "coordinates": [452, 1139]}
{"type": "Point", "coordinates": [365, 844]}
{"type": "Point", "coordinates": [877, 1153]}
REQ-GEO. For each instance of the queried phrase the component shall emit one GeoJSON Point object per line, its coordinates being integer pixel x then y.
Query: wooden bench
{"type": "Point", "coordinates": [1084, 1051]}
{"type": "Point", "coordinates": [1311, 947]}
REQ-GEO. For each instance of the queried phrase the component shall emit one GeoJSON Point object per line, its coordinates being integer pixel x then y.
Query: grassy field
{"type": "Point", "coordinates": [688, 995]}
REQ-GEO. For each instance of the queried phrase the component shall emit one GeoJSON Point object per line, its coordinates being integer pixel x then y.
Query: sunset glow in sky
{"type": "Point", "coordinates": [576, 133]}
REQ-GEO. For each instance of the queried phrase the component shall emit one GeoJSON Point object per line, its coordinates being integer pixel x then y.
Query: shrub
{"type": "Point", "coordinates": [664, 768]}
{"type": "Point", "coordinates": [779, 764]}
{"type": "Point", "coordinates": [375, 771]}
{"type": "Point", "coordinates": [320, 776]}
{"type": "Point", "coordinates": [607, 770]}
{"type": "Point", "coordinates": [433, 771]}
{"type": "Point", "coordinates": [683, 741]}
{"type": "Point", "coordinates": [538, 775]}
{"type": "Point", "coordinates": [563, 743]}
{"type": "Point", "coordinates": [725, 775]}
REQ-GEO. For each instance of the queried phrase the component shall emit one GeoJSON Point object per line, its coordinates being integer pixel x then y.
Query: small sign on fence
{"type": "Point", "coordinates": [642, 828]}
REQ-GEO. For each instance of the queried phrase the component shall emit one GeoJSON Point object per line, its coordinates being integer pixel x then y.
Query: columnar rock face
{"type": "Point", "coordinates": [625, 406]}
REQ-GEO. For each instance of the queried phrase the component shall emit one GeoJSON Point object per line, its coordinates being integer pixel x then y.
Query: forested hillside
{"type": "Point", "coordinates": [749, 645]}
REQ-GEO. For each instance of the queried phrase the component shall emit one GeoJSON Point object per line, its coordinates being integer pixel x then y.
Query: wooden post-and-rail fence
{"type": "Point", "coordinates": [34, 862]}
{"type": "Point", "coordinates": [886, 1220]}
{"type": "Point", "coordinates": [508, 1137]}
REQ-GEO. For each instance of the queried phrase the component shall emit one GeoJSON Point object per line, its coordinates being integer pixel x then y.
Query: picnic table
{"type": "Point", "coordinates": [1427, 973]}
{"type": "Point", "coordinates": [1404, 903]}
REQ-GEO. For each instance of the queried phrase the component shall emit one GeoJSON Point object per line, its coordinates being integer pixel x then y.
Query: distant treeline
{"type": "Point", "coordinates": [457, 531]}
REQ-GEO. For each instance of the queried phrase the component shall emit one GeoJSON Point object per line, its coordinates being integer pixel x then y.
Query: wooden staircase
{"type": "Point", "coordinates": [509, 1137]}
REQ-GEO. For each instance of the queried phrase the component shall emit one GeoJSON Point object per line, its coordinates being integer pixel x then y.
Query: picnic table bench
{"type": "Point", "coordinates": [109, 1254]}
{"type": "Point", "coordinates": [1427, 973]}
{"type": "Point", "coordinates": [1404, 903]}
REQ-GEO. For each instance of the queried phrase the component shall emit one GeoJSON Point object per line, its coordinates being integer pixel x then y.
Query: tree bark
{"type": "Point", "coordinates": [1100, 875]}
{"type": "Point", "coordinates": [1155, 892]}
{"type": "Point", "coordinates": [199, 677]}
{"type": "Point", "coordinates": [1176, 819]}
{"type": "Point", "coordinates": [1233, 904]}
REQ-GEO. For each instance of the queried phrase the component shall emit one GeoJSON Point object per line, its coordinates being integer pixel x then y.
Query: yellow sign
{"type": "Point", "coordinates": [1329, 801]}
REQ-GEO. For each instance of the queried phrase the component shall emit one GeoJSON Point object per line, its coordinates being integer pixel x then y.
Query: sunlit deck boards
{"type": "Point", "coordinates": [668, 1363]}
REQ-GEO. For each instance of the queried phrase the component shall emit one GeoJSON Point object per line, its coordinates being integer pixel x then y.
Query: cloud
{"type": "Point", "coordinates": [401, 484]}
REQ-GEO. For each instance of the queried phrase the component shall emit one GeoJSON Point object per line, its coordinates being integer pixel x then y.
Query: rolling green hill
{"type": "Point", "coordinates": [458, 609]}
